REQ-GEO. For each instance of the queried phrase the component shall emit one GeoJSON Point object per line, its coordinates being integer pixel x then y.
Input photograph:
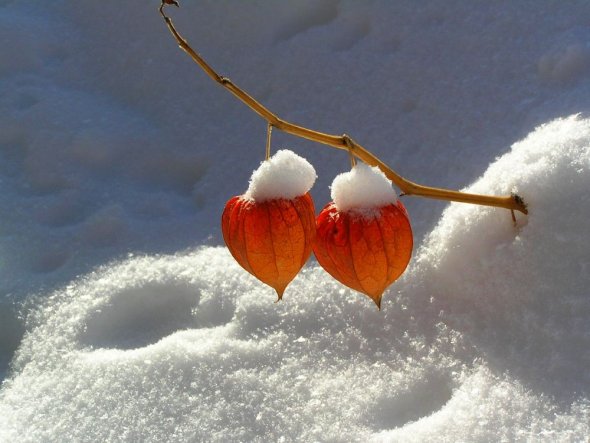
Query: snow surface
{"type": "Point", "coordinates": [284, 175]}
{"type": "Point", "coordinates": [121, 317]}
{"type": "Point", "coordinates": [363, 187]}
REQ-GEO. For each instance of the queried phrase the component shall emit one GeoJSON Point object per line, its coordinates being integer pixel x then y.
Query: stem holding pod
{"type": "Point", "coordinates": [512, 202]}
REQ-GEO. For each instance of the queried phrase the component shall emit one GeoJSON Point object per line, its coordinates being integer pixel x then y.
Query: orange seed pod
{"type": "Point", "coordinates": [273, 239]}
{"type": "Point", "coordinates": [271, 228]}
{"type": "Point", "coordinates": [364, 238]}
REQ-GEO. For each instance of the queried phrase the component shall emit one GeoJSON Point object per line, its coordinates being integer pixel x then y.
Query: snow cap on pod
{"type": "Point", "coordinates": [363, 187]}
{"type": "Point", "coordinates": [285, 175]}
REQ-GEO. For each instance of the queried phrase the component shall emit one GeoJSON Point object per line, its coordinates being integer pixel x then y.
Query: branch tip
{"type": "Point", "coordinates": [163, 4]}
{"type": "Point", "coordinates": [522, 206]}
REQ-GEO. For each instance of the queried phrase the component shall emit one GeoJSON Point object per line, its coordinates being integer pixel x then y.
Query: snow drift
{"type": "Point", "coordinates": [484, 338]}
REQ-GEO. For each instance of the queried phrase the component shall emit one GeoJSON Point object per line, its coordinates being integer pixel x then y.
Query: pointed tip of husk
{"type": "Point", "coordinates": [280, 294]}
{"type": "Point", "coordinates": [377, 301]}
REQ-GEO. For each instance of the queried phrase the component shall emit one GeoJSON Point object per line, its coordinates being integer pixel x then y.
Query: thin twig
{"type": "Point", "coordinates": [350, 147]}
{"type": "Point", "coordinates": [512, 202]}
{"type": "Point", "coordinates": [268, 136]}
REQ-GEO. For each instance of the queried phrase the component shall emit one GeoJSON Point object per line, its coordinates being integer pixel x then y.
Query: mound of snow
{"type": "Point", "coordinates": [486, 338]}
{"type": "Point", "coordinates": [363, 187]}
{"type": "Point", "coordinates": [518, 295]}
{"type": "Point", "coordinates": [284, 175]}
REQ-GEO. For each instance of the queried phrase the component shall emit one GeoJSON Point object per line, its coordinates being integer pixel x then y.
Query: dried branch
{"type": "Point", "coordinates": [512, 202]}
